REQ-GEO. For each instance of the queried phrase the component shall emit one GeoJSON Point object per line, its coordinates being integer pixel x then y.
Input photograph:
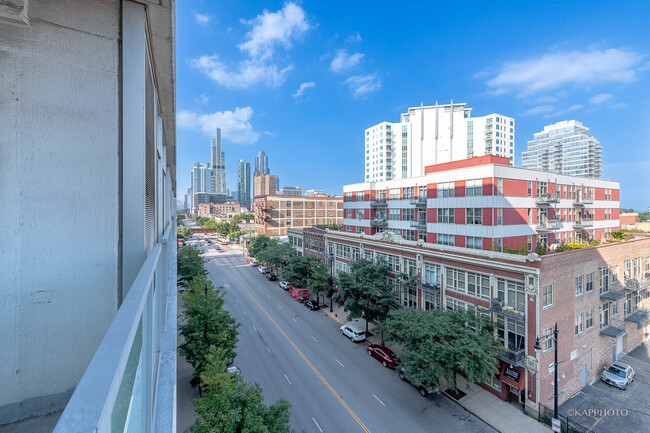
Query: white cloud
{"type": "Point", "coordinates": [302, 88]}
{"type": "Point", "coordinates": [355, 37]}
{"type": "Point", "coordinates": [601, 98]}
{"type": "Point", "coordinates": [235, 125]}
{"type": "Point", "coordinates": [248, 73]}
{"type": "Point", "coordinates": [361, 85]}
{"type": "Point", "coordinates": [554, 70]}
{"type": "Point", "coordinates": [573, 107]}
{"type": "Point", "coordinates": [540, 109]}
{"type": "Point", "coordinates": [268, 30]}
{"type": "Point", "coordinates": [271, 28]}
{"type": "Point", "coordinates": [202, 99]}
{"type": "Point", "coordinates": [201, 19]}
{"type": "Point", "coordinates": [343, 60]}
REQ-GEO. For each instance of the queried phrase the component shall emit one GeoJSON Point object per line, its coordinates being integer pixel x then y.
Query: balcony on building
{"type": "Point", "coordinates": [429, 287]}
{"type": "Point", "coordinates": [419, 224]}
{"type": "Point", "coordinates": [513, 356]}
{"type": "Point", "coordinates": [380, 202]}
{"type": "Point", "coordinates": [583, 223]}
{"type": "Point", "coordinates": [419, 201]}
{"type": "Point", "coordinates": [582, 201]}
{"type": "Point", "coordinates": [378, 222]}
{"type": "Point", "coordinates": [615, 292]}
{"type": "Point", "coordinates": [499, 307]}
{"type": "Point", "coordinates": [614, 329]}
{"type": "Point", "coordinates": [636, 284]}
{"type": "Point", "coordinates": [546, 199]}
{"type": "Point", "coordinates": [547, 226]}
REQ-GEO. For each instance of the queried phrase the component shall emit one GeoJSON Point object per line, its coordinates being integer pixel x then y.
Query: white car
{"type": "Point", "coordinates": [262, 270]}
{"type": "Point", "coordinates": [285, 285]}
{"type": "Point", "coordinates": [353, 332]}
{"type": "Point", "coordinates": [618, 374]}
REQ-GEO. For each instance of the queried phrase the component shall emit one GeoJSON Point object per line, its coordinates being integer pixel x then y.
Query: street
{"type": "Point", "coordinates": [331, 383]}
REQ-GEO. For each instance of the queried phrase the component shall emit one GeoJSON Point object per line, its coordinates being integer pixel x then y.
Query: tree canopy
{"type": "Point", "coordinates": [299, 270]}
{"type": "Point", "coordinates": [190, 263]}
{"type": "Point", "coordinates": [183, 232]}
{"type": "Point", "coordinates": [276, 255]}
{"type": "Point", "coordinates": [365, 291]}
{"type": "Point", "coordinates": [439, 344]}
{"type": "Point", "coordinates": [258, 243]}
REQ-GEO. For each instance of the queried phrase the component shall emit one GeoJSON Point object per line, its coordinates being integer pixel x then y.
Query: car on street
{"type": "Point", "coordinates": [423, 389]}
{"type": "Point", "coordinates": [298, 293]}
{"type": "Point", "coordinates": [262, 270]}
{"type": "Point", "coordinates": [618, 374]}
{"type": "Point", "coordinates": [312, 304]}
{"type": "Point", "coordinates": [254, 263]}
{"type": "Point", "coordinates": [271, 276]}
{"type": "Point", "coordinates": [285, 285]}
{"type": "Point", "coordinates": [384, 355]}
{"type": "Point", "coordinates": [353, 332]}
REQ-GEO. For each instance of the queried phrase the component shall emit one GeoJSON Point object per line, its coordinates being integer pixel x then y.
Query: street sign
{"type": "Point", "coordinates": [556, 425]}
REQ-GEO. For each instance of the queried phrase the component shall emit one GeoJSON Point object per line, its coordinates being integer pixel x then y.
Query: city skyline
{"type": "Point", "coordinates": [306, 93]}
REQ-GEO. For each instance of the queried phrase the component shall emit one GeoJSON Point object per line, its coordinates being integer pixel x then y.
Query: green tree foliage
{"type": "Point", "coordinates": [210, 224]}
{"type": "Point", "coordinates": [183, 232]}
{"type": "Point", "coordinates": [440, 344]}
{"type": "Point", "coordinates": [223, 228]}
{"type": "Point", "coordinates": [258, 243]}
{"type": "Point", "coordinates": [205, 324]}
{"type": "Point", "coordinates": [333, 227]}
{"type": "Point", "coordinates": [180, 216]}
{"type": "Point", "coordinates": [190, 263]}
{"type": "Point", "coordinates": [619, 235]}
{"type": "Point", "coordinates": [243, 216]}
{"type": "Point", "coordinates": [319, 280]}
{"type": "Point", "coordinates": [541, 249]}
{"type": "Point", "coordinates": [365, 291]}
{"type": "Point", "coordinates": [276, 255]}
{"type": "Point", "coordinates": [298, 271]}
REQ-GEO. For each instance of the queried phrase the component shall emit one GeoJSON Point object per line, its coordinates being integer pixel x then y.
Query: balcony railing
{"type": "Point", "coordinates": [378, 222]}
{"type": "Point", "coordinates": [421, 224]}
{"type": "Point", "coordinates": [547, 226]}
{"type": "Point", "coordinates": [429, 287]}
{"type": "Point", "coordinates": [635, 284]}
{"type": "Point", "coordinates": [499, 307]}
{"type": "Point", "coordinates": [381, 202]}
{"type": "Point", "coordinates": [130, 383]}
{"type": "Point", "coordinates": [581, 201]}
{"type": "Point", "coordinates": [546, 199]}
{"type": "Point", "coordinates": [514, 357]}
{"type": "Point", "coordinates": [419, 201]}
{"type": "Point", "coordinates": [583, 223]}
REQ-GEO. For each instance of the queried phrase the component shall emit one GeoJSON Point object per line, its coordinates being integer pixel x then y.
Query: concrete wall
{"type": "Point", "coordinates": [59, 76]}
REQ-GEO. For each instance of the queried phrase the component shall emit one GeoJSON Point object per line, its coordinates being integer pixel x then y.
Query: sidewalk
{"type": "Point", "coordinates": [503, 416]}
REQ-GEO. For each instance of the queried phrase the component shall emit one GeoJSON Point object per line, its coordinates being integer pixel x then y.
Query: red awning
{"type": "Point", "coordinates": [513, 376]}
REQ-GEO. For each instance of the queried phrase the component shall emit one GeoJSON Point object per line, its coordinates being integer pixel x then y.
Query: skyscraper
{"type": "Point", "coordinates": [244, 184]}
{"type": "Point", "coordinates": [218, 181]}
{"type": "Point", "coordinates": [201, 178]}
{"type": "Point", "coordinates": [261, 163]}
{"type": "Point", "coordinates": [564, 147]}
{"type": "Point", "coordinates": [434, 134]}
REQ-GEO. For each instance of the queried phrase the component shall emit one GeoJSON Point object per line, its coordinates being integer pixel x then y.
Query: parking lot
{"type": "Point", "coordinates": [614, 410]}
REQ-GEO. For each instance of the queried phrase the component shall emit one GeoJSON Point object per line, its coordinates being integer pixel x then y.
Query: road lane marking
{"type": "Point", "coordinates": [302, 355]}
{"type": "Point", "coordinates": [285, 376]}
{"type": "Point", "coordinates": [279, 305]}
{"type": "Point", "coordinates": [255, 329]}
{"type": "Point", "coordinates": [236, 301]}
{"type": "Point", "coordinates": [321, 430]}
{"type": "Point", "coordinates": [378, 400]}
{"type": "Point", "coordinates": [335, 318]}
{"type": "Point", "coordinates": [312, 337]}
{"type": "Point", "coordinates": [244, 313]}
{"type": "Point", "coordinates": [294, 320]}
{"type": "Point", "coordinates": [340, 363]}
{"type": "Point", "coordinates": [267, 348]}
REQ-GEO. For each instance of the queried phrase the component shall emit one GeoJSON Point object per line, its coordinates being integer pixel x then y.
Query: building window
{"type": "Point", "coordinates": [614, 272]}
{"type": "Point", "coordinates": [408, 214]}
{"type": "Point", "coordinates": [474, 187]}
{"type": "Point", "coordinates": [529, 243]}
{"type": "Point", "coordinates": [589, 284]}
{"type": "Point", "coordinates": [444, 239]}
{"type": "Point", "coordinates": [604, 279]}
{"type": "Point", "coordinates": [446, 189]}
{"type": "Point", "coordinates": [589, 319]}
{"type": "Point", "coordinates": [474, 242]}
{"type": "Point", "coordinates": [579, 288]}
{"type": "Point", "coordinates": [409, 235]}
{"type": "Point", "coordinates": [547, 296]}
{"type": "Point", "coordinates": [530, 188]}
{"type": "Point", "coordinates": [446, 215]}
{"type": "Point", "coordinates": [455, 280]}
{"type": "Point", "coordinates": [604, 315]}
{"type": "Point", "coordinates": [408, 192]}
{"type": "Point", "coordinates": [499, 186]}
{"type": "Point", "coordinates": [474, 216]}
{"type": "Point", "coordinates": [499, 217]}
{"type": "Point", "coordinates": [393, 194]}
{"type": "Point", "coordinates": [478, 285]}
{"type": "Point", "coordinates": [393, 214]}
{"type": "Point", "coordinates": [578, 324]}
{"type": "Point", "coordinates": [548, 342]}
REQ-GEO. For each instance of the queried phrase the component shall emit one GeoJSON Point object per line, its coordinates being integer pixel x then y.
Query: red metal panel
{"type": "Point", "coordinates": [487, 216]}
{"type": "Point", "coordinates": [488, 186]}
{"type": "Point", "coordinates": [432, 190]}
{"type": "Point", "coordinates": [487, 243]}
{"type": "Point", "coordinates": [459, 241]}
{"type": "Point", "coordinates": [471, 162]}
{"type": "Point", "coordinates": [513, 216]}
{"type": "Point", "coordinates": [515, 187]}
{"type": "Point", "coordinates": [432, 215]}
{"type": "Point", "coordinates": [459, 215]}
{"type": "Point", "coordinates": [459, 188]}
{"type": "Point", "coordinates": [431, 238]}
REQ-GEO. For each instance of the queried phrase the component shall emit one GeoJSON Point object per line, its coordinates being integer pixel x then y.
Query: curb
{"type": "Point", "coordinates": [332, 316]}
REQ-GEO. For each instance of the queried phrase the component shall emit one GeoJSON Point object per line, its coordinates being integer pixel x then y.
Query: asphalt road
{"type": "Point", "coordinates": [332, 384]}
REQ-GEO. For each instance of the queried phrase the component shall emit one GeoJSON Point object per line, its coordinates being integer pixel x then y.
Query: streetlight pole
{"type": "Point", "coordinates": [537, 347]}
{"type": "Point", "coordinates": [330, 258]}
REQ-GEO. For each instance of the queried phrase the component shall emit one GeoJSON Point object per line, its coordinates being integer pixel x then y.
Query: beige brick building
{"type": "Point", "coordinates": [275, 214]}
{"type": "Point", "coordinates": [219, 210]}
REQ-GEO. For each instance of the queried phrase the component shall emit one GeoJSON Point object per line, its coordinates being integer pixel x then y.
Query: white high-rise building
{"type": "Point", "coordinates": [261, 163]}
{"type": "Point", "coordinates": [564, 147]}
{"type": "Point", "coordinates": [434, 134]}
{"type": "Point", "coordinates": [218, 179]}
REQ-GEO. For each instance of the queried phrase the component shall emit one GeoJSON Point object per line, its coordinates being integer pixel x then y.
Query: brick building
{"type": "Point", "coordinates": [264, 184]}
{"type": "Point", "coordinates": [597, 296]}
{"type": "Point", "coordinates": [484, 203]}
{"type": "Point", "coordinates": [629, 218]}
{"type": "Point", "coordinates": [219, 210]}
{"type": "Point", "coordinates": [275, 214]}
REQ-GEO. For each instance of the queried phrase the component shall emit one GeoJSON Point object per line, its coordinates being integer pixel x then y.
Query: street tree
{"type": "Point", "coordinates": [319, 280]}
{"type": "Point", "coordinates": [210, 224]}
{"type": "Point", "coordinates": [190, 263]}
{"type": "Point", "coordinates": [441, 344]}
{"type": "Point", "coordinates": [299, 270]}
{"type": "Point", "coordinates": [205, 323]}
{"type": "Point", "coordinates": [223, 228]}
{"type": "Point", "coordinates": [365, 292]}
{"type": "Point", "coordinates": [276, 255]}
{"type": "Point", "coordinates": [258, 243]}
{"type": "Point", "coordinates": [183, 232]}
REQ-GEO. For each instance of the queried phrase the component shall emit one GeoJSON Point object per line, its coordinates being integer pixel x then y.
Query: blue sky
{"type": "Point", "coordinates": [302, 80]}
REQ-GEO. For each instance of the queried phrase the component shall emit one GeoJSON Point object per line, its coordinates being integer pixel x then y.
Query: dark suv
{"type": "Point", "coordinates": [270, 276]}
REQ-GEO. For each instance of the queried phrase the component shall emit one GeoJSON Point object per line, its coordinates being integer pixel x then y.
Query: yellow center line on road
{"type": "Point", "coordinates": [302, 355]}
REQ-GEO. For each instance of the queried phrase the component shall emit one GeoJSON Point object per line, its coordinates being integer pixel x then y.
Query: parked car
{"type": "Point", "coordinates": [254, 263]}
{"type": "Point", "coordinates": [271, 276]}
{"type": "Point", "coordinates": [353, 332]}
{"type": "Point", "coordinates": [299, 294]}
{"type": "Point", "coordinates": [312, 304]}
{"type": "Point", "coordinates": [234, 370]}
{"type": "Point", "coordinates": [384, 355]}
{"type": "Point", "coordinates": [423, 389]}
{"type": "Point", "coordinates": [618, 374]}
{"type": "Point", "coordinates": [285, 285]}
{"type": "Point", "coordinates": [262, 270]}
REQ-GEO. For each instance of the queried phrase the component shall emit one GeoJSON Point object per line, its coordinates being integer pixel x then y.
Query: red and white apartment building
{"type": "Point", "coordinates": [444, 227]}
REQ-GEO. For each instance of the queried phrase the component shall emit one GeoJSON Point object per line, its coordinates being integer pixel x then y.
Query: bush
{"type": "Point", "coordinates": [541, 249]}
{"type": "Point", "coordinates": [594, 243]}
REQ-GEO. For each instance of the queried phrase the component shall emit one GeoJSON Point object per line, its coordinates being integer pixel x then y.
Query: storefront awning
{"type": "Point", "coordinates": [513, 376]}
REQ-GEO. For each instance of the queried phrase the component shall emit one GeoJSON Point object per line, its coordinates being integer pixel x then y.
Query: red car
{"type": "Point", "coordinates": [384, 355]}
